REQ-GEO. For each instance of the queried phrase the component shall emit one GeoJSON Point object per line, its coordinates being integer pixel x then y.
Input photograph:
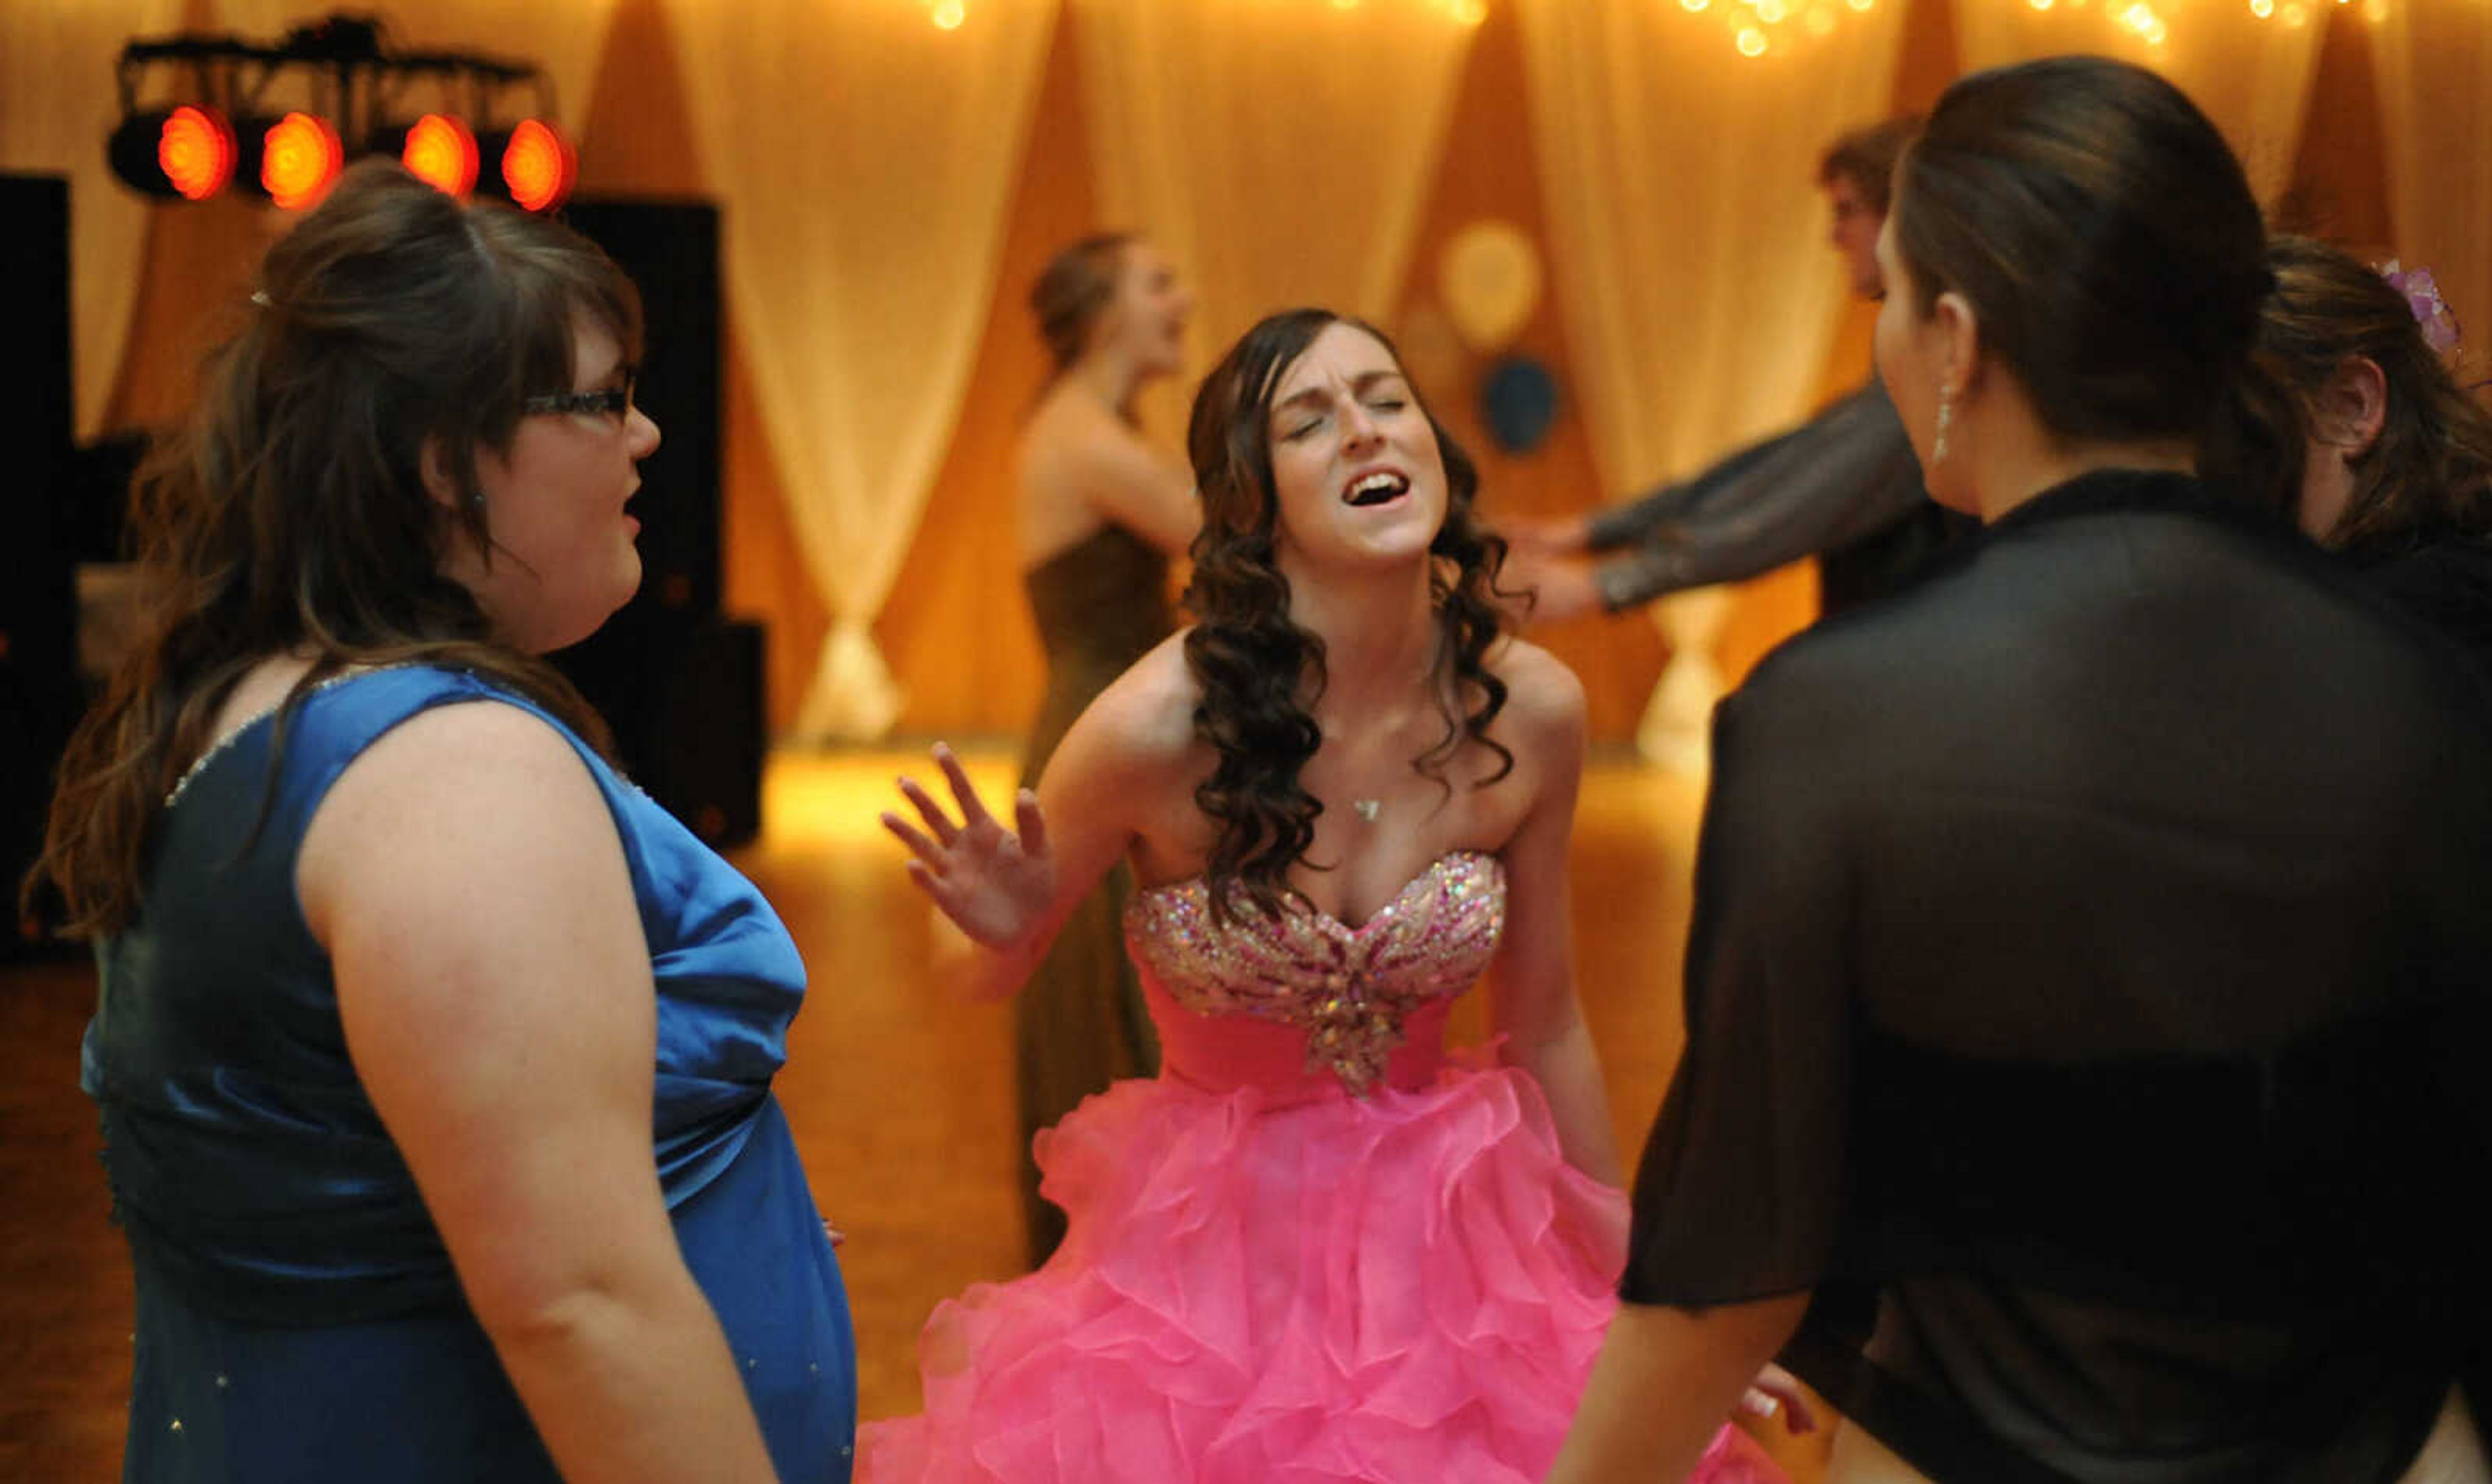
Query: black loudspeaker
{"type": "Point", "coordinates": [681, 687]}
{"type": "Point", "coordinates": [39, 694]}
{"type": "Point", "coordinates": [706, 766]}
{"type": "Point", "coordinates": [671, 250]}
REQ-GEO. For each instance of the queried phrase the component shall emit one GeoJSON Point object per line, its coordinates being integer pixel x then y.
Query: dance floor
{"type": "Point", "coordinates": [901, 1097]}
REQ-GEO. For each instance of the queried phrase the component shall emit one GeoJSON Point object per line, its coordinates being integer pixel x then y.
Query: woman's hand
{"type": "Point", "coordinates": [1548, 536]}
{"type": "Point", "coordinates": [1547, 588]}
{"type": "Point", "coordinates": [1777, 1390]}
{"type": "Point", "coordinates": [995, 884]}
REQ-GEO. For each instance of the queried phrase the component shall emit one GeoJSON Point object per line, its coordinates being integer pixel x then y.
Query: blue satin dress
{"type": "Point", "coordinates": [298, 1318]}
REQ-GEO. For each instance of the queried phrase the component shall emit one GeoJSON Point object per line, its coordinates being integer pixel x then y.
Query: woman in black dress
{"type": "Point", "coordinates": [1100, 512]}
{"type": "Point", "coordinates": [2088, 955]}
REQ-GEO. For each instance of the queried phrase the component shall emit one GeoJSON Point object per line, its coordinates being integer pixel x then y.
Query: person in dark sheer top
{"type": "Point", "coordinates": [2089, 960]}
{"type": "Point", "coordinates": [2373, 446]}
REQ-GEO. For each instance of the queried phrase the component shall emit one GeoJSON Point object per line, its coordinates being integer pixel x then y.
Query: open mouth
{"type": "Point", "coordinates": [1380, 488]}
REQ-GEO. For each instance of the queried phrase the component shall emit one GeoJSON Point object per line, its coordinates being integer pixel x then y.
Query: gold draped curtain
{"type": "Point", "coordinates": [2250, 74]}
{"type": "Point", "coordinates": [1687, 240]}
{"type": "Point", "coordinates": [1281, 150]}
{"type": "Point", "coordinates": [2435, 76]}
{"type": "Point", "coordinates": [864, 157]}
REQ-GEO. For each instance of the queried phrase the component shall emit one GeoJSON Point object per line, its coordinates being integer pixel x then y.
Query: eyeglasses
{"type": "Point", "coordinates": [609, 402]}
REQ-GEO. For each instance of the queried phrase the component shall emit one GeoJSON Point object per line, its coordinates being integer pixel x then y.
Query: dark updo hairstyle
{"type": "Point", "coordinates": [2428, 473]}
{"type": "Point", "coordinates": [1865, 159]}
{"type": "Point", "coordinates": [2104, 236]}
{"type": "Point", "coordinates": [289, 513]}
{"type": "Point", "coordinates": [1260, 673]}
{"type": "Point", "coordinates": [1074, 291]}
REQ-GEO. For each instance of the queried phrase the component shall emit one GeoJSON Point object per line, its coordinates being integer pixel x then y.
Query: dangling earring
{"type": "Point", "coordinates": [1947, 416]}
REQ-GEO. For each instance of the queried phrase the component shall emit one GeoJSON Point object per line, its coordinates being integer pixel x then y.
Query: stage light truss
{"type": "Point", "coordinates": [204, 114]}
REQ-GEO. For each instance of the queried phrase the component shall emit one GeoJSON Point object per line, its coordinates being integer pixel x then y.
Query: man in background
{"type": "Point", "coordinates": [1842, 487]}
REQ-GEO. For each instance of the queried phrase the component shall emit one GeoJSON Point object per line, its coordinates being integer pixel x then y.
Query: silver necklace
{"type": "Point", "coordinates": [1368, 809]}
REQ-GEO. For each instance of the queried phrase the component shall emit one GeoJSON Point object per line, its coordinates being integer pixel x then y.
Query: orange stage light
{"type": "Point", "coordinates": [538, 165]}
{"type": "Point", "coordinates": [195, 150]}
{"type": "Point", "coordinates": [299, 159]}
{"type": "Point", "coordinates": [441, 153]}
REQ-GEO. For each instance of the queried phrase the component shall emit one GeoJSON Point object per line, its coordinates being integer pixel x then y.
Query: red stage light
{"type": "Point", "coordinates": [299, 159]}
{"type": "Point", "coordinates": [538, 165]}
{"type": "Point", "coordinates": [195, 150]}
{"type": "Point", "coordinates": [441, 153]}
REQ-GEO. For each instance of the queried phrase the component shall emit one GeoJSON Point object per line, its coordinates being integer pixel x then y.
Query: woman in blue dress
{"type": "Point", "coordinates": [434, 1059]}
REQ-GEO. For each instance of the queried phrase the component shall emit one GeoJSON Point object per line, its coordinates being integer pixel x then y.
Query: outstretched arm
{"type": "Point", "coordinates": [1665, 1384]}
{"type": "Point", "coordinates": [1142, 487]}
{"type": "Point", "coordinates": [1009, 889]}
{"type": "Point", "coordinates": [1534, 983]}
{"type": "Point", "coordinates": [1840, 476]}
{"type": "Point", "coordinates": [1655, 512]}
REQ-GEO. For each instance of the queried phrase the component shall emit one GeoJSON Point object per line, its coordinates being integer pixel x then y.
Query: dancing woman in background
{"type": "Point", "coordinates": [1314, 1247]}
{"type": "Point", "coordinates": [2088, 964]}
{"type": "Point", "coordinates": [434, 1059]}
{"type": "Point", "coordinates": [1101, 509]}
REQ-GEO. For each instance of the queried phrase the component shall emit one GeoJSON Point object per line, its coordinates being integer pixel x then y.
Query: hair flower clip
{"type": "Point", "coordinates": [2422, 298]}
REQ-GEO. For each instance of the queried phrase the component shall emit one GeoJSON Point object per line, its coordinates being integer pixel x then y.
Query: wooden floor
{"type": "Point", "coordinates": [901, 1099]}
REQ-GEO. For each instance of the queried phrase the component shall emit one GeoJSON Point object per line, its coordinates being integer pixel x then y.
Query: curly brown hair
{"type": "Point", "coordinates": [1259, 672]}
{"type": "Point", "coordinates": [290, 514]}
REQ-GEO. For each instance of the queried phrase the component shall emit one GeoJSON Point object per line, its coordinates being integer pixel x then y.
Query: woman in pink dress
{"type": "Point", "coordinates": [1316, 1247]}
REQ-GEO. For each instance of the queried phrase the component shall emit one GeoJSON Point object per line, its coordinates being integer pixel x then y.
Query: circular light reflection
{"type": "Point", "coordinates": [441, 153]}
{"type": "Point", "coordinates": [299, 159]}
{"type": "Point", "coordinates": [538, 164]}
{"type": "Point", "coordinates": [196, 151]}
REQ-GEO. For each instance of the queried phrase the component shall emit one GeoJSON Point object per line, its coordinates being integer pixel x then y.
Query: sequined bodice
{"type": "Point", "coordinates": [1350, 991]}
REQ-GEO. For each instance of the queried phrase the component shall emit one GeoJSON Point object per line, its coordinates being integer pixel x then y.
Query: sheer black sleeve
{"type": "Point", "coordinates": [1740, 1193]}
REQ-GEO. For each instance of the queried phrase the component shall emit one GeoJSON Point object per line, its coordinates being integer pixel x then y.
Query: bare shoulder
{"type": "Point", "coordinates": [1145, 716]}
{"type": "Point", "coordinates": [1046, 442]}
{"type": "Point", "coordinates": [492, 743]}
{"type": "Point", "coordinates": [471, 790]}
{"type": "Point", "coordinates": [1125, 775]}
{"type": "Point", "coordinates": [1544, 697]}
{"type": "Point", "coordinates": [1067, 433]}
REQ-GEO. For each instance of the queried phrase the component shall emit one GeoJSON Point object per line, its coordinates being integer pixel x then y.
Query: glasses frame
{"type": "Point", "coordinates": [605, 402]}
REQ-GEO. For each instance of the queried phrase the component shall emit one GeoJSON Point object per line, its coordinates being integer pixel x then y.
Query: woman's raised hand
{"type": "Point", "coordinates": [993, 883]}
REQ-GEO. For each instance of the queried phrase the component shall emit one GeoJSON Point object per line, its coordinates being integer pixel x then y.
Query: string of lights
{"type": "Point", "coordinates": [202, 114]}
{"type": "Point", "coordinates": [1759, 29]}
{"type": "Point", "coordinates": [1764, 28]}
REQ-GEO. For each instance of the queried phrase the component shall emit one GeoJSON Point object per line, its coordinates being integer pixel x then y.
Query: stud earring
{"type": "Point", "coordinates": [1947, 417]}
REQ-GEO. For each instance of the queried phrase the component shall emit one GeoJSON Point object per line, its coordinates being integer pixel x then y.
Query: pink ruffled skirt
{"type": "Point", "coordinates": [1405, 1287]}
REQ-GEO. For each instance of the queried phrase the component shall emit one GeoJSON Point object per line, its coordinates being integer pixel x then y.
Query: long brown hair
{"type": "Point", "coordinates": [1259, 671]}
{"type": "Point", "coordinates": [290, 514]}
{"type": "Point", "coordinates": [2104, 235]}
{"type": "Point", "coordinates": [2430, 468]}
